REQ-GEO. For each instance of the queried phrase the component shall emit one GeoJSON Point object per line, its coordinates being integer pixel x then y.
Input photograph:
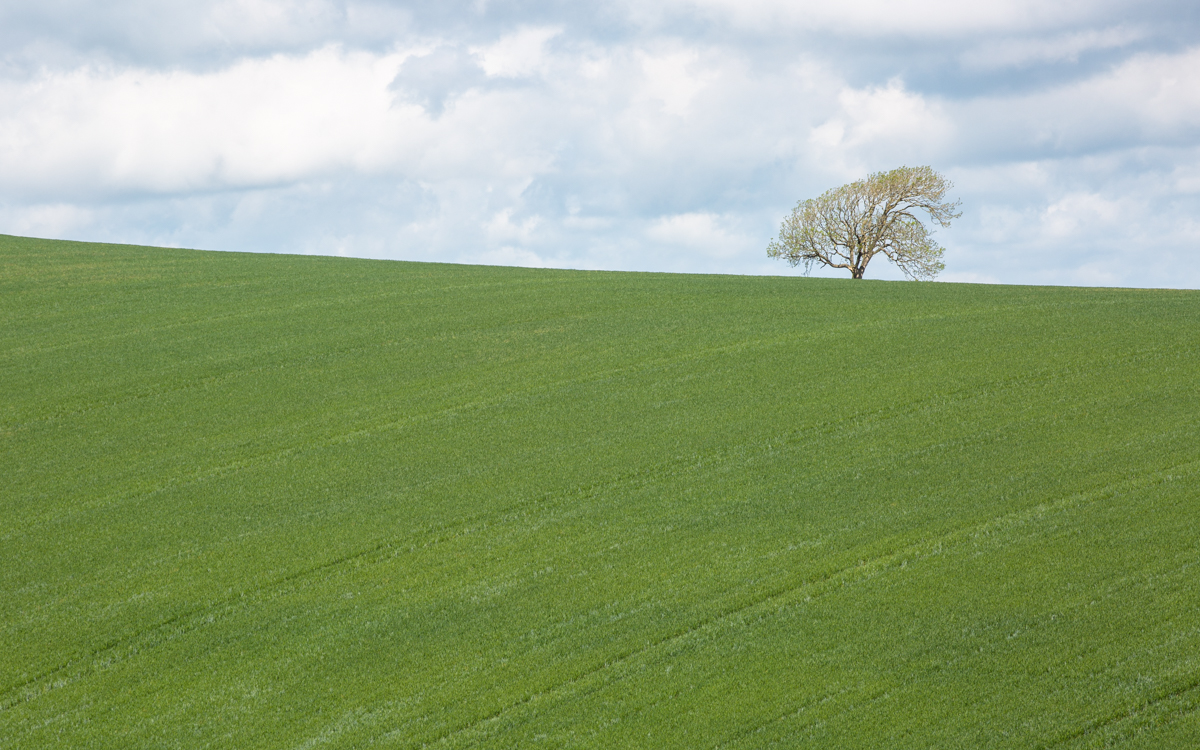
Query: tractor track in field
{"type": "Point", "coordinates": [1193, 685]}
{"type": "Point", "coordinates": [234, 374]}
{"type": "Point", "coordinates": [393, 425]}
{"type": "Point", "coordinates": [202, 615]}
{"type": "Point", "coordinates": [264, 312]}
{"type": "Point", "coordinates": [1119, 716]}
{"type": "Point", "coordinates": [208, 381]}
{"type": "Point", "coordinates": [314, 502]}
{"type": "Point", "coordinates": [827, 583]}
{"type": "Point", "coordinates": [791, 713]}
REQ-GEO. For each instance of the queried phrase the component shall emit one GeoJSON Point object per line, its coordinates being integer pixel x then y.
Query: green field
{"type": "Point", "coordinates": [298, 502]}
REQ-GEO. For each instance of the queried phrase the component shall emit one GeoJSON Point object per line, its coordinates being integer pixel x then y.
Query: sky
{"type": "Point", "coordinates": [622, 135]}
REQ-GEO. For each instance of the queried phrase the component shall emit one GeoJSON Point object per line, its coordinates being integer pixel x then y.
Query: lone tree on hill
{"type": "Point", "coordinates": [847, 226]}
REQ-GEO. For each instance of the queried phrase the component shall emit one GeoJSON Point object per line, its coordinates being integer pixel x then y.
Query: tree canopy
{"type": "Point", "coordinates": [847, 226]}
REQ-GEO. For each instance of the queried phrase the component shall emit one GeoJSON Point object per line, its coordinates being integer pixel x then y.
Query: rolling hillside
{"type": "Point", "coordinates": [283, 501]}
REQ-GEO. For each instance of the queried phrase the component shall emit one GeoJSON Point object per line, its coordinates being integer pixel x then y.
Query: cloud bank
{"type": "Point", "coordinates": [620, 137]}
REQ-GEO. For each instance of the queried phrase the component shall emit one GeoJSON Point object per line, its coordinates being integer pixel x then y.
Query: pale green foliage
{"type": "Point", "coordinates": [847, 226]}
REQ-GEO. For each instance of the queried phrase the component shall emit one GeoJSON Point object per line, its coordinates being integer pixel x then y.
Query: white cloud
{"type": "Point", "coordinates": [700, 232]}
{"type": "Point", "coordinates": [501, 228]}
{"type": "Point", "coordinates": [255, 123]}
{"type": "Point", "coordinates": [880, 125]}
{"type": "Point", "coordinates": [258, 21]}
{"type": "Point", "coordinates": [45, 220]}
{"type": "Point", "coordinates": [516, 55]}
{"type": "Point", "coordinates": [672, 79]}
{"type": "Point", "coordinates": [909, 17]}
{"type": "Point", "coordinates": [508, 255]}
{"type": "Point", "coordinates": [1023, 51]}
{"type": "Point", "coordinates": [967, 277]}
{"type": "Point", "coordinates": [1077, 213]}
{"type": "Point", "coordinates": [1146, 100]}
{"type": "Point", "coordinates": [673, 137]}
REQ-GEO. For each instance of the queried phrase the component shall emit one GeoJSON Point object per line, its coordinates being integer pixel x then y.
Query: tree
{"type": "Point", "coordinates": [847, 226]}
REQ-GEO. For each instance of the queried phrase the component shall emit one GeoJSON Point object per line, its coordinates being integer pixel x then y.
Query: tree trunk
{"type": "Point", "coordinates": [857, 272]}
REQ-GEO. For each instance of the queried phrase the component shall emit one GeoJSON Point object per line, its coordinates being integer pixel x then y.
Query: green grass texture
{"type": "Point", "coordinates": [279, 501]}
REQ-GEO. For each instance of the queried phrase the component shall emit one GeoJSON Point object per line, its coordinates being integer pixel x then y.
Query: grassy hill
{"type": "Point", "coordinates": [281, 501]}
